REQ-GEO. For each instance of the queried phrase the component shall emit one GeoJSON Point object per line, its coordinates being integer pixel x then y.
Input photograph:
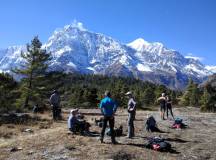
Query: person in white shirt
{"type": "Point", "coordinates": [131, 114]}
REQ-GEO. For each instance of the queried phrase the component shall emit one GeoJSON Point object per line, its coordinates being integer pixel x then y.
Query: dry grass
{"type": "Point", "coordinates": [50, 140]}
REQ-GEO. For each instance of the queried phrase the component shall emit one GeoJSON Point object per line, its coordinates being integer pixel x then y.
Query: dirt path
{"type": "Point", "coordinates": [54, 142]}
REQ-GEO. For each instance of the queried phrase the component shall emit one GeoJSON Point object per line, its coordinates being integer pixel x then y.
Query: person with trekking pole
{"type": "Point", "coordinates": [108, 108]}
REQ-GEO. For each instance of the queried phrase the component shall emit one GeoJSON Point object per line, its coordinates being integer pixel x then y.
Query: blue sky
{"type": "Point", "coordinates": [188, 26]}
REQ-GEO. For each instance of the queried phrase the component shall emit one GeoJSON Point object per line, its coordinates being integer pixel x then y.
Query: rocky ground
{"type": "Point", "coordinates": [45, 139]}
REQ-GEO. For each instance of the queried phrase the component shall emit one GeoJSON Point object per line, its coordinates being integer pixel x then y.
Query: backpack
{"type": "Point", "coordinates": [178, 124]}
{"type": "Point", "coordinates": [158, 144]}
{"type": "Point", "coordinates": [99, 122]}
{"type": "Point", "coordinates": [151, 124]}
{"type": "Point", "coordinates": [118, 131]}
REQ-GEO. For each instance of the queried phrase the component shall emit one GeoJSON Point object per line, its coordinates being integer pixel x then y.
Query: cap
{"type": "Point", "coordinates": [128, 93]}
{"type": "Point", "coordinates": [74, 110]}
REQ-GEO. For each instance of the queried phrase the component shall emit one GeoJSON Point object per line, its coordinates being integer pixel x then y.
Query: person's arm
{"type": "Point", "coordinates": [51, 99]}
{"type": "Point", "coordinates": [101, 106]}
{"type": "Point", "coordinates": [134, 104]}
{"type": "Point", "coordinates": [159, 99]}
{"type": "Point", "coordinates": [115, 107]}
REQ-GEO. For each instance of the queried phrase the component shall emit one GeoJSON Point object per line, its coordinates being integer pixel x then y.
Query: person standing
{"type": "Point", "coordinates": [108, 108]}
{"type": "Point", "coordinates": [55, 103]}
{"type": "Point", "coordinates": [131, 114]}
{"type": "Point", "coordinates": [162, 101]}
{"type": "Point", "coordinates": [169, 106]}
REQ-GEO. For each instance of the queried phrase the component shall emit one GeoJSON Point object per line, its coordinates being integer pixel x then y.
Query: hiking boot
{"type": "Point", "coordinates": [101, 139]}
{"type": "Point", "coordinates": [115, 142]}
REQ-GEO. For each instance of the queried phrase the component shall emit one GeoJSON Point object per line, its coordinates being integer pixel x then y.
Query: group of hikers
{"type": "Point", "coordinates": [108, 109]}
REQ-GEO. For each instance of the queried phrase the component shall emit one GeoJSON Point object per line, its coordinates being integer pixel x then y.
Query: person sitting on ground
{"type": "Point", "coordinates": [75, 124]}
{"type": "Point", "coordinates": [162, 101]}
{"type": "Point", "coordinates": [169, 106]}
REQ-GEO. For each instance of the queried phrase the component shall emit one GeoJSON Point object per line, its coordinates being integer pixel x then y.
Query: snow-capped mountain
{"type": "Point", "coordinates": [75, 49]}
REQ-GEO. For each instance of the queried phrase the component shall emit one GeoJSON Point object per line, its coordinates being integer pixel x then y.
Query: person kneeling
{"type": "Point", "coordinates": [77, 125]}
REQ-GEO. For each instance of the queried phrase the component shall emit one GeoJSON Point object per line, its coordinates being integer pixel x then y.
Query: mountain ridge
{"type": "Point", "coordinates": [76, 49]}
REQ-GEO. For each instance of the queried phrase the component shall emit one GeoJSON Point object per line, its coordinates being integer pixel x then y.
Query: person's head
{"type": "Point", "coordinates": [107, 93]}
{"type": "Point", "coordinates": [55, 91]}
{"type": "Point", "coordinates": [129, 94]}
{"type": "Point", "coordinates": [163, 94]}
{"type": "Point", "coordinates": [74, 111]}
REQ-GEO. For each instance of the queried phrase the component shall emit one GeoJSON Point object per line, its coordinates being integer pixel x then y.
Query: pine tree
{"type": "Point", "coordinates": [194, 97]}
{"type": "Point", "coordinates": [191, 95]}
{"type": "Point", "coordinates": [33, 71]}
{"type": "Point", "coordinates": [7, 92]}
{"type": "Point", "coordinates": [148, 96]}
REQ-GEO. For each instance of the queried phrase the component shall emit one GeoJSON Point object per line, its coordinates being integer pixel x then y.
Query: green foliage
{"type": "Point", "coordinates": [87, 90]}
{"type": "Point", "coordinates": [33, 73]}
{"type": "Point", "coordinates": [208, 98]}
{"type": "Point", "coordinates": [191, 95]}
{"type": "Point", "coordinates": [8, 92]}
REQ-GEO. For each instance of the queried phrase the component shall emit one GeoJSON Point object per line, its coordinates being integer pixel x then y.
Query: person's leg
{"type": "Point", "coordinates": [59, 113]}
{"type": "Point", "coordinates": [167, 111]}
{"type": "Point", "coordinates": [129, 126]}
{"type": "Point", "coordinates": [161, 112]}
{"type": "Point", "coordinates": [132, 126]}
{"type": "Point", "coordinates": [111, 124]}
{"type": "Point", "coordinates": [164, 110]}
{"type": "Point", "coordinates": [103, 129]}
{"type": "Point", "coordinates": [171, 112]}
{"type": "Point", "coordinates": [54, 113]}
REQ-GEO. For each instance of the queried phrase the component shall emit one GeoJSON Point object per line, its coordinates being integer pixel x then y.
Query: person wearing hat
{"type": "Point", "coordinates": [55, 103]}
{"type": "Point", "coordinates": [74, 124]}
{"type": "Point", "coordinates": [162, 101]}
{"type": "Point", "coordinates": [108, 108]}
{"type": "Point", "coordinates": [131, 114]}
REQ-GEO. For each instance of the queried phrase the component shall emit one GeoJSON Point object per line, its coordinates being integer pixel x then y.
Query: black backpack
{"type": "Point", "coordinates": [118, 132]}
{"type": "Point", "coordinates": [158, 144]}
{"type": "Point", "coordinates": [151, 124]}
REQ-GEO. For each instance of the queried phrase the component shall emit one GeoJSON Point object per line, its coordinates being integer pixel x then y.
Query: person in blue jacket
{"type": "Point", "coordinates": [108, 108]}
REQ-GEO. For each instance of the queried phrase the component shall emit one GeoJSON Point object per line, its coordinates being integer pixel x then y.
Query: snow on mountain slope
{"type": "Point", "coordinates": [75, 49]}
{"type": "Point", "coordinates": [11, 58]}
{"type": "Point", "coordinates": [158, 57]}
{"type": "Point", "coordinates": [88, 51]}
{"type": "Point", "coordinates": [211, 68]}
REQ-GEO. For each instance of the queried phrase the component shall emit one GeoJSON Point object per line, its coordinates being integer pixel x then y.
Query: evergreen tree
{"type": "Point", "coordinates": [33, 71]}
{"type": "Point", "coordinates": [195, 95]}
{"type": "Point", "coordinates": [191, 95]}
{"type": "Point", "coordinates": [8, 92]}
{"type": "Point", "coordinates": [148, 96]}
{"type": "Point", "coordinates": [205, 99]}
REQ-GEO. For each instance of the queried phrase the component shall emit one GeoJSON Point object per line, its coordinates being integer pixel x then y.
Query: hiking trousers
{"type": "Point", "coordinates": [111, 121]}
{"type": "Point", "coordinates": [131, 118]}
{"type": "Point", "coordinates": [169, 108]}
{"type": "Point", "coordinates": [56, 112]}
